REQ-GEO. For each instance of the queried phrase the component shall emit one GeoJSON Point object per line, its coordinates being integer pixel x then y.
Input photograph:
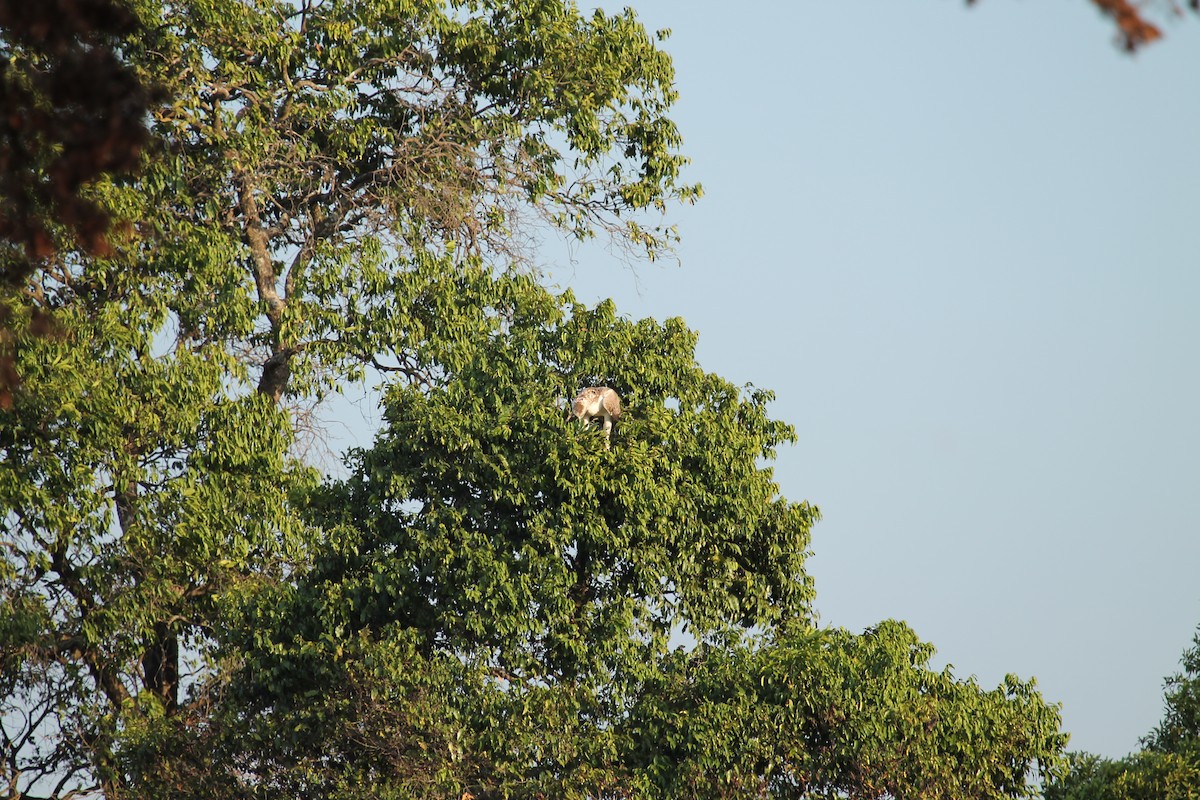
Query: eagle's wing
{"type": "Point", "coordinates": [612, 403]}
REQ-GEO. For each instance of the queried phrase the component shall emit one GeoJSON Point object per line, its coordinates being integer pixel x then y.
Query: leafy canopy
{"type": "Point", "coordinates": [490, 605]}
{"type": "Point", "coordinates": [309, 156]}
{"type": "Point", "coordinates": [317, 146]}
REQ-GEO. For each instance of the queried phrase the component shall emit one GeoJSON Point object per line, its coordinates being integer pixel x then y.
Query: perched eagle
{"type": "Point", "coordinates": [598, 402]}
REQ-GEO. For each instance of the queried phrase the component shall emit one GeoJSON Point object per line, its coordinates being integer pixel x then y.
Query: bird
{"type": "Point", "coordinates": [598, 402]}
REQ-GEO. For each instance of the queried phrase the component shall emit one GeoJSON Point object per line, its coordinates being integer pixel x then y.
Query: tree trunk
{"type": "Point", "coordinates": [277, 369]}
{"type": "Point", "coordinates": [275, 374]}
{"type": "Point", "coordinates": [160, 666]}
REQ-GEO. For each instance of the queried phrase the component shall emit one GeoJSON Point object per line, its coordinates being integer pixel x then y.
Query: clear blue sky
{"type": "Point", "coordinates": [963, 248]}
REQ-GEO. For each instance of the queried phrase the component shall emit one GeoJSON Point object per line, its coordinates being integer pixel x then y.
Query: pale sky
{"type": "Point", "coordinates": [963, 248]}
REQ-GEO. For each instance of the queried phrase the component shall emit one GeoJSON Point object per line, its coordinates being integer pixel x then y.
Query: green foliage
{"type": "Point", "coordinates": [487, 535]}
{"type": "Point", "coordinates": [489, 544]}
{"type": "Point", "coordinates": [133, 494]}
{"type": "Point", "coordinates": [310, 156]}
{"type": "Point", "coordinates": [539, 547]}
{"type": "Point", "coordinates": [1142, 776]}
{"type": "Point", "coordinates": [318, 147]}
{"type": "Point", "coordinates": [829, 714]}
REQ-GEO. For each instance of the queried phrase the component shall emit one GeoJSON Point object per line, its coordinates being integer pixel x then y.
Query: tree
{"type": "Point", "coordinates": [328, 142]}
{"type": "Point", "coordinates": [73, 112]}
{"type": "Point", "coordinates": [310, 156]}
{"type": "Point", "coordinates": [134, 495]}
{"type": "Point", "coordinates": [1144, 775]}
{"type": "Point", "coordinates": [1169, 766]}
{"type": "Point", "coordinates": [824, 713]}
{"type": "Point", "coordinates": [490, 607]}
